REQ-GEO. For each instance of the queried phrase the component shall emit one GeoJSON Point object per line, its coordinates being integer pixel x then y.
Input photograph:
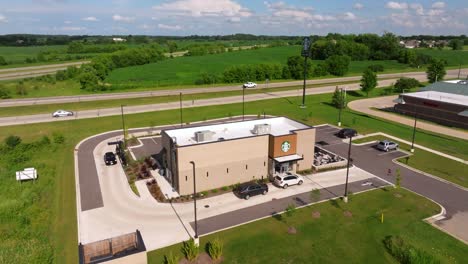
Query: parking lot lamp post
{"type": "Point", "coordinates": [345, 198]}
{"type": "Point", "coordinates": [195, 202]}
{"type": "Point", "coordinates": [123, 122]}
{"type": "Point", "coordinates": [341, 106]}
{"type": "Point", "coordinates": [414, 131]}
{"type": "Point", "coordinates": [243, 103]}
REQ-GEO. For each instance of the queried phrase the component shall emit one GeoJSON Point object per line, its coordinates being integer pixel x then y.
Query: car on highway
{"type": "Point", "coordinates": [346, 133]}
{"type": "Point", "coordinates": [288, 179]}
{"type": "Point", "coordinates": [387, 145]}
{"type": "Point", "coordinates": [247, 190]}
{"type": "Point", "coordinates": [249, 85]}
{"type": "Point", "coordinates": [109, 158]}
{"type": "Point", "coordinates": [62, 113]}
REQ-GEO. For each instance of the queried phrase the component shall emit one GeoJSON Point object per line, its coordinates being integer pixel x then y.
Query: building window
{"type": "Point", "coordinates": [246, 166]}
{"type": "Point", "coordinates": [185, 178]}
{"type": "Point", "coordinates": [264, 164]}
{"type": "Point", "coordinates": [206, 174]}
{"type": "Point", "coordinates": [227, 170]}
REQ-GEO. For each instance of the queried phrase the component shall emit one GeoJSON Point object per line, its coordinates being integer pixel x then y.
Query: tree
{"type": "Point", "coordinates": [88, 81]}
{"type": "Point", "coordinates": [456, 44]}
{"type": "Point", "coordinates": [436, 71]}
{"type": "Point", "coordinates": [368, 81]}
{"type": "Point", "coordinates": [3, 61]}
{"type": "Point", "coordinates": [172, 46]}
{"type": "Point", "coordinates": [12, 141]}
{"type": "Point", "coordinates": [338, 65]}
{"type": "Point", "coordinates": [338, 99]}
{"type": "Point", "coordinates": [405, 84]}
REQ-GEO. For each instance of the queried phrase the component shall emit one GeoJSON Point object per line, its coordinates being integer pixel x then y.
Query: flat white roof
{"type": "Point", "coordinates": [279, 126]}
{"type": "Point", "coordinates": [440, 96]}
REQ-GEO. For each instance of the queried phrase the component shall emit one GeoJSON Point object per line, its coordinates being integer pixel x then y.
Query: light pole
{"type": "Point", "coordinates": [306, 53]}
{"type": "Point", "coordinates": [195, 202]}
{"type": "Point", "coordinates": [401, 100]}
{"type": "Point", "coordinates": [345, 198]}
{"type": "Point", "coordinates": [341, 106]}
{"type": "Point", "coordinates": [243, 102]}
{"type": "Point", "coordinates": [180, 107]}
{"type": "Point", "coordinates": [123, 122]}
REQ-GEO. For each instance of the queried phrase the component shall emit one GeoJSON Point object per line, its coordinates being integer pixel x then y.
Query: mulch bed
{"type": "Point", "coordinates": [292, 230]}
{"type": "Point", "coordinates": [315, 214]}
{"type": "Point", "coordinates": [347, 214]}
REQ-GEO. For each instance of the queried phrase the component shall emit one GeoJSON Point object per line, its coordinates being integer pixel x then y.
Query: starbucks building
{"type": "Point", "coordinates": [236, 152]}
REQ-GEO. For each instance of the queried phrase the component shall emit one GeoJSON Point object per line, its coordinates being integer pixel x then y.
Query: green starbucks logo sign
{"type": "Point", "coordinates": [286, 146]}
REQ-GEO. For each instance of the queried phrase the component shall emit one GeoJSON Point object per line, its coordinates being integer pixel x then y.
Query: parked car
{"type": "Point", "coordinates": [109, 158]}
{"type": "Point", "coordinates": [387, 145]}
{"type": "Point", "coordinates": [245, 191]}
{"type": "Point", "coordinates": [249, 85]}
{"type": "Point", "coordinates": [346, 133]}
{"type": "Point", "coordinates": [288, 179]}
{"type": "Point", "coordinates": [61, 113]}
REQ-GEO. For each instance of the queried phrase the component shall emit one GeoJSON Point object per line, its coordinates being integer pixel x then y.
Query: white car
{"type": "Point", "coordinates": [61, 113]}
{"type": "Point", "coordinates": [249, 85]}
{"type": "Point", "coordinates": [288, 179]}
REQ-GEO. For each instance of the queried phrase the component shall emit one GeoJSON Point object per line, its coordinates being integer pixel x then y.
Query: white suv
{"type": "Point", "coordinates": [288, 179]}
{"type": "Point", "coordinates": [249, 85]}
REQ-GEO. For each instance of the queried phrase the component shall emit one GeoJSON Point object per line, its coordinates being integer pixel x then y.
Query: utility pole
{"type": "Point", "coordinates": [243, 103]}
{"type": "Point", "coordinates": [414, 131]}
{"type": "Point", "coordinates": [123, 122]}
{"type": "Point", "coordinates": [195, 202]}
{"type": "Point", "coordinates": [180, 107]}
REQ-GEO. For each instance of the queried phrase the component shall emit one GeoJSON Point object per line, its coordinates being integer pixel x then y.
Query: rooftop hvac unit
{"type": "Point", "coordinates": [261, 129]}
{"type": "Point", "coordinates": [205, 135]}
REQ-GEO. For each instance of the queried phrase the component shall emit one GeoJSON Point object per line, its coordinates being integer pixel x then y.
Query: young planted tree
{"type": "Point", "coordinates": [338, 99]}
{"type": "Point", "coordinates": [436, 71]}
{"type": "Point", "coordinates": [368, 81]}
{"type": "Point", "coordinates": [398, 179]}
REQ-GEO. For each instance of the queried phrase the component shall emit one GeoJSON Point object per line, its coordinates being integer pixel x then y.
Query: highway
{"type": "Point", "coordinates": [421, 76]}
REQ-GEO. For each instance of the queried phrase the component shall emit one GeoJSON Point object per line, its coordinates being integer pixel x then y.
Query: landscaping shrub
{"type": "Point", "coordinates": [12, 141]}
{"type": "Point", "coordinates": [58, 138]}
{"type": "Point", "coordinates": [190, 250]}
{"type": "Point", "coordinates": [406, 253]}
{"type": "Point", "coordinates": [171, 259]}
{"type": "Point", "coordinates": [4, 93]}
{"type": "Point", "coordinates": [215, 249]}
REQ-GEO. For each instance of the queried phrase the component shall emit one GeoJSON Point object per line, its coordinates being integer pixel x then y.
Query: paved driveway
{"type": "Point", "coordinates": [368, 158]}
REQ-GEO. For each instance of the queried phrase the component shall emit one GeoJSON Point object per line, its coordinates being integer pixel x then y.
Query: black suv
{"type": "Point", "coordinates": [245, 191]}
{"type": "Point", "coordinates": [346, 133]}
{"type": "Point", "coordinates": [109, 158]}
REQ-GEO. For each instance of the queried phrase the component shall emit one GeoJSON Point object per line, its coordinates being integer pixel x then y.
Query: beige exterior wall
{"type": "Point", "coordinates": [222, 163]}
{"type": "Point", "coordinates": [305, 148]}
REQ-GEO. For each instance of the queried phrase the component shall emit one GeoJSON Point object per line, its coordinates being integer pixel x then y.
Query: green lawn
{"type": "Point", "coordinates": [44, 213]}
{"type": "Point", "coordinates": [19, 54]}
{"type": "Point", "coordinates": [334, 237]}
{"type": "Point", "coordinates": [426, 161]}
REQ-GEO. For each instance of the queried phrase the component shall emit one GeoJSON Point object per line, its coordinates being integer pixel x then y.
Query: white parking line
{"type": "Point", "coordinates": [385, 153]}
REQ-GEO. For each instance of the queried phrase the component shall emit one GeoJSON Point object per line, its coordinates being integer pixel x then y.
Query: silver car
{"type": "Point", "coordinates": [387, 145]}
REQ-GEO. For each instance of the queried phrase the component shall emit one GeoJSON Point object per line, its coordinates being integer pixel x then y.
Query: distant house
{"type": "Point", "coordinates": [119, 39]}
{"type": "Point", "coordinates": [19, 41]}
{"type": "Point", "coordinates": [410, 44]}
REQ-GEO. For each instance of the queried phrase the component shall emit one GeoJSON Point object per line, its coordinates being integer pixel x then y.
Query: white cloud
{"type": "Point", "coordinates": [397, 5]}
{"type": "Point", "coordinates": [198, 8]}
{"type": "Point", "coordinates": [418, 8]}
{"type": "Point", "coordinates": [123, 18]}
{"type": "Point", "coordinates": [349, 16]}
{"type": "Point", "coordinates": [91, 18]}
{"type": "Point", "coordinates": [438, 5]}
{"type": "Point", "coordinates": [294, 14]}
{"type": "Point", "coordinates": [72, 28]}
{"type": "Point", "coordinates": [358, 6]}
{"type": "Point", "coordinates": [67, 22]}
{"type": "Point", "coordinates": [234, 19]}
{"type": "Point", "coordinates": [3, 19]}
{"type": "Point", "coordinates": [169, 27]}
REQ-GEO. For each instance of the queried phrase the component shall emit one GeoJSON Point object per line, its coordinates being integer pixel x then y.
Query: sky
{"type": "Point", "coordinates": [224, 17]}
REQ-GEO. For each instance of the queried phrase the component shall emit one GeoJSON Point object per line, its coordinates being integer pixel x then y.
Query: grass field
{"type": "Point", "coordinates": [426, 161]}
{"type": "Point", "coordinates": [44, 213]}
{"type": "Point", "coordinates": [334, 237]}
{"type": "Point", "coordinates": [19, 54]}
{"type": "Point", "coordinates": [185, 70]}
{"type": "Point", "coordinates": [453, 57]}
